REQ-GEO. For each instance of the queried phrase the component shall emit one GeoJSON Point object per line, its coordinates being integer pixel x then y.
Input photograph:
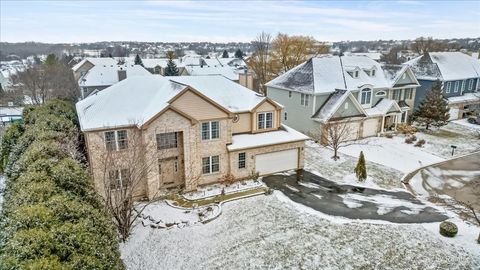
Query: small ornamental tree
{"type": "Point", "coordinates": [138, 60]}
{"type": "Point", "coordinates": [433, 109]}
{"type": "Point", "coordinates": [361, 169]}
{"type": "Point", "coordinates": [171, 69]}
{"type": "Point", "coordinates": [225, 54]}
{"type": "Point", "coordinates": [239, 54]}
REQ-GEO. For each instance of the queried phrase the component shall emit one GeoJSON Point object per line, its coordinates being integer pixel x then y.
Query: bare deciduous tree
{"type": "Point", "coordinates": [336, 135]}
{"type": "Point", "coordinates": [123, 176]}
{"type": "Point", "coordinates": [424, 45]}
{"type": "Point", "coordinates": [259, 61]}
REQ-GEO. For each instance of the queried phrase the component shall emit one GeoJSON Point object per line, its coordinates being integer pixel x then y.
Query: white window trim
{"type": "Point", "coordinates": [115, 135]}
{"type": "Point", "coordinates": [265, 120]}
{"type": "Point", "coordinates": [369, 104]}
{"type": "Point", "coordinates": [210, 165]}
{"type": "Point", "coordinates": [457, 85]}
{"type": "Point", "coordinates": [449, 85]}
{"type": "Point", "coordinates": [244, 161]}
{"type": "Point", "coordinates": [463, 86]}
{"type": "Point", "coordinates": [304, 99]}
{"type": "Point", "coordinates": [470, 84]}
{"type": "Point", "coordinates": [209, 131]}
{"type": "Point", "coordinates": [377, 94]}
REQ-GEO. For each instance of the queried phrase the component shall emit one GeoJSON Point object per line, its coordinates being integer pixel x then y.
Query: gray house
{"type": "Point", "coordinates": [372, 99]}
{"type": "Point", "coordinates": [460, 77]}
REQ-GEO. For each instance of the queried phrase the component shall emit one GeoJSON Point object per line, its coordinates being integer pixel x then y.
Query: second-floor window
{"type": "Point", "coordinates": [304, 99]}
{"type": "Point", "coordinates": [265, 120]}
{"type": "Point", "coordinates": [116, 140]}
{"type": "Point", "coordinates": [210, 164]}
{"type": "Point", "coordinates": [397, 94]}
{"type": "Point", "coordinates": [457, 85]}
{"type": "Point", "coordinates": [366, 96]}
{"type": "Point", "coordinates": [448, 87]}
{"type": "Point", "coordinates": [463, 85]}
{"type": "Point", "coordinates": [210, 130]}
{"type": "Point", "coordinates": [408, 93]}
{"type": "Point", "coordinates": [167, 140]}
{"type": "Point", "coordinates": [470, 84]}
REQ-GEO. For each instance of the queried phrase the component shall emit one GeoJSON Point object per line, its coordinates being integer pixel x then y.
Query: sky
{"type": "Point", "coordinates": [230, 21]}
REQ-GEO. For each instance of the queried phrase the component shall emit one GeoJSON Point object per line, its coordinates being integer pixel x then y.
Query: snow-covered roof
{"type": "Point", "coordinates": [382, 107]}
{"type": "Point", "coordinates": [11, 111]}
{"type": "Point", "coordinates": [446, 66]}
{"type": "Point", "coordinates": [325, 73]}
{"type": "Point", "coordinates": [327, 110]}
{"type": "Point", "coordinates": [104, 75]}
{"type": "Point", "coordinates": [136, 100]}
{"type": "Point", "coordinates": [96, 61]}
{"type": "Point", "coordinates": [373, 55]}
{"type": "Point", "coordinates": [227, 71]}
{"type": "Point", "coordinates": [467, 97]}
{"type": "Point", "coordinates": [230, 95]}
{"type": "Point", "coordinates": [283, 135]}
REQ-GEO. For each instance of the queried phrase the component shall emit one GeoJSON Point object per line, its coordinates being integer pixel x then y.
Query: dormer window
{"type": "Point", "coordinates": [353, 74]}
{"type": "Point", "coordinates": [373, 72]}
{"type": "Point", "coordinates": [356, 74]}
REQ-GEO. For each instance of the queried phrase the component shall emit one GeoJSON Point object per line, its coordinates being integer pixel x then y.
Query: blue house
{"type": "Point", "coordinates": [460, 77]}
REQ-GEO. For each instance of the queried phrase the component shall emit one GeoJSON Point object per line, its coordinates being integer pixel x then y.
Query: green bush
{"type": "Point", "coordinates": [448, 229]}
{"type": "Point", "coordinates": [51, 216]}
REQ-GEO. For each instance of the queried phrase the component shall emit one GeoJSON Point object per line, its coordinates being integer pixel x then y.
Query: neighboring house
{"type": "Point", "coordinates": [459, 75]}
{"type": "Point", "coordinates": [86, 64]}
{"type": "Point", "coordinates": [228, 72]}
{"type": "Point", "coordinates": [4, 80]}
{"type": "Point", "coordinates": [199, 129]}
{"type": "Point", "coordinates": [10, 114]}
{"type": "Point", "coordinates": [158, 65]}
{"type": "Point", "coordinates": [370, 98]}
{"type": "Point", "coordinates": [100, 77]}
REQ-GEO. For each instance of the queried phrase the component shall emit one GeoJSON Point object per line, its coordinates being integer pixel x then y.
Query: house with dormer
{"type": "Point", "coordinates": [460, 77]}
{"type": "Point", "coordinates": [372, 99]}
{"type": "Point", "coordinates": [198, 130]}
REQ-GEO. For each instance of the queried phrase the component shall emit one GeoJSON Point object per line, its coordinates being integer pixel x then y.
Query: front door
{"type": "Point", "coordinates": [170, 172]}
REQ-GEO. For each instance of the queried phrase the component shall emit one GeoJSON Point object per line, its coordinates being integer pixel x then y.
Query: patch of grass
{"type": "Point", "coordinates": [178, 200]}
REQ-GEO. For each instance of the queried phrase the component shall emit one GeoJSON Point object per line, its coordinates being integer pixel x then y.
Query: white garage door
{"type": "Point", "coordinates": [370, 127]}
{"type": "Point", "coordinates": [276, 161]}
{"type": "Point", "coordinates": [353, 129]}
{"type": "Point", "coordinates": [453, 113]}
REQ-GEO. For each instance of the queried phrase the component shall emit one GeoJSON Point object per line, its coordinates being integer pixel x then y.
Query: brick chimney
{"type": "Point", "coordinates": [122, 74]}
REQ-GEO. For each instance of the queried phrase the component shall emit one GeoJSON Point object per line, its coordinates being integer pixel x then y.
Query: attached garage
{"type": "Point", "coordinates": [278, 161]}
{"type": "Point", "coordinates": [454, 113]}
{"type": "Point", "coordinates": [370, 127]}
{"type": "Point", "coordinates": [353, 130]}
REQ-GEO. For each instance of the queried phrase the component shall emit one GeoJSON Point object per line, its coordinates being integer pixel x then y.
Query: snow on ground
{"type": "Point", "coordinates": [264, 232]}
{"type": "Point", "coordinates": [393, 153]}
{"type": "Point", "coordinates": [385, 203]}
{"type": "Point", "coordinates": [464, 122]}
{"type": "Point", "coordinates": [318, 160]}
{"type": "Point", "coordinates": [216, 189]}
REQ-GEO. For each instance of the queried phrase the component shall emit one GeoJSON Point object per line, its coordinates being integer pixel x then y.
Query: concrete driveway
{"type": "Point", "coordinates": [350, 201]}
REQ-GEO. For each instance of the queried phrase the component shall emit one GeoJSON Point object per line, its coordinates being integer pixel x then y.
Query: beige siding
{"type": "Point", "coordinates": [266, 106]}
{"type": "Point", "coordinates": [198, 107]}
{"type": "Point", "coordinates": [84, 68]}
{"type": "Point", "coordinates": [244, 123]}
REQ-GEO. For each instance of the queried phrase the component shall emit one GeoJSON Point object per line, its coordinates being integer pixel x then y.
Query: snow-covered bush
{"type": "Point", "coordinates": [409, 140]}
{"type": "Point", "coordinates": [420, 143]}
{"type": "Point", "coordinates": [406, 129]}
{"type": "Point", "coordinates": [448, 229]}
{"type": "Point", "coordinates": [388, 135]}
{"type": "Point", "coordinates": [51, 217]}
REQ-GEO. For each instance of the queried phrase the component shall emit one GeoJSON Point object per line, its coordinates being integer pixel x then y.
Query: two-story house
{"type": "Point", "coordinates": [460, 77]}
{"type": "Point", "coordinates": [198, 130]}
{"type": "Point", "coordinates": [371, 99]}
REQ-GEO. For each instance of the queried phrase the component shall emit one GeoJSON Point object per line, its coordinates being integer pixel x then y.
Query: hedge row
{"type": "Point", "coordinates": [51, 217]}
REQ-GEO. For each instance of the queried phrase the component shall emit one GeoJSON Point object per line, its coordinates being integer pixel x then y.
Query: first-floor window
{"type": "Point", "coordinates": [265, 120]}
{"type": "Point", "coordinates": [119, 178]}
{"type": "Point", "coordinates": [210, 164]}
{"type": "Point", "coordinates": [241, 160]}
{"type": "Point", "coordinates": [470, 84]}
{"type": "Point", "coordinates": [167, 140]}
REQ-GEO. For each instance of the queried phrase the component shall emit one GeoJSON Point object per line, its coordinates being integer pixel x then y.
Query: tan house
{"type": "Point", "coordinates": [198, 130]}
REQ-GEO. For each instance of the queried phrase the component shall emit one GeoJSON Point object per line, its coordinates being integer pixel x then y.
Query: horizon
{"type": "Point", "coordinates": [67, 22]}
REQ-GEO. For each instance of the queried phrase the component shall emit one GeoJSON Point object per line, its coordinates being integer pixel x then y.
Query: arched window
{"type": "Point", "coordinates": [366, 96]}
{"type": "Point", "coordinates": [380, 94]}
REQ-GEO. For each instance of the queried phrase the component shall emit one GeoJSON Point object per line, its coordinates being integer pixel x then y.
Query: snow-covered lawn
{"type": "Point", "coordinates": [393, 153]}
{"type": "Point", "coordinates": [271, 232]}
{"type": "Point", "coordinates": [464, 122]}
{"type": "Point", "coordinates": [318, 160]}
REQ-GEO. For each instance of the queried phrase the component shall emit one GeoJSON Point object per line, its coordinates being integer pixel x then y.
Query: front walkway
{"type": "Point", "coordinates": [352, 202]}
